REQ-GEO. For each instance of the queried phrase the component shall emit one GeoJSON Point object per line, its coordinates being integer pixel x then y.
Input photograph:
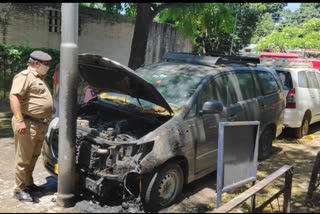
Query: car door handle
{"type": "Point", "coordinates": [232, 118]}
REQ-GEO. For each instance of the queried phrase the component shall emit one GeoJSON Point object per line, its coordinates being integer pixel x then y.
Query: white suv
{"type": "Point", "coordinates": [302, 90]}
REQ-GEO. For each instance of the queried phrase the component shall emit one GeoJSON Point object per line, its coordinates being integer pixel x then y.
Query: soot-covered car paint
{"type": "Point", "coordinates": [146, 131]}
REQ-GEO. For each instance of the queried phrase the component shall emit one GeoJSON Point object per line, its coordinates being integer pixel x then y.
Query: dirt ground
{"type": "Point", "coordinates": [199, 196]}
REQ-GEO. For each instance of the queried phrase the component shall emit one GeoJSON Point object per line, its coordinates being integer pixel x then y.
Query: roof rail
{"type": "Point", "coordinates": [212, 60]}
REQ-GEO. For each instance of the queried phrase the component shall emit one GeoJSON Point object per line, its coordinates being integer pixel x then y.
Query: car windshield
{"type": "Point", "coordinates": [175, 87]}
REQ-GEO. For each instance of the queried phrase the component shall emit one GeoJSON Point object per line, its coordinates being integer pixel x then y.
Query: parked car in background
{"type": "Point", "coordinates": [300, 80]}
{"type": "Point", "coordinates": [158, 127]}
{"type": "Point", "coordinates": [302, 91]}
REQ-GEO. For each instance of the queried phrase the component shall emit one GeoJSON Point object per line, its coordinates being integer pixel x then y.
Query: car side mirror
{"type": "Point", "coordinates": [212, 107]}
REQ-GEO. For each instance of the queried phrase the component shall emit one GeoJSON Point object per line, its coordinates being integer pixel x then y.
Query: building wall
{"type": "Point", "coordinates": [28, 24]}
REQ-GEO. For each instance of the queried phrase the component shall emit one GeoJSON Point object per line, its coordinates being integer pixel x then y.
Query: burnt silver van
{"type": "Point", "coordinates": [156, 129]}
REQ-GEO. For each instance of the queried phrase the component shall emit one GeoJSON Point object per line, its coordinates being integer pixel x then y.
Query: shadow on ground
{"type": "Point", "coordinates": [49, 188]}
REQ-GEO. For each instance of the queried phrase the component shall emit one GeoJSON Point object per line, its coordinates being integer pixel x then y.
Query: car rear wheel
{"type": "Point", "coordinates": [265, 143]}
{"type": "Point", "coordinates": [164, 186]}
{"type": "Point", "coordinates": [304, 129]}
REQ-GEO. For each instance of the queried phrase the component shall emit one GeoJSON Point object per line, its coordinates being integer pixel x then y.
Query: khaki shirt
{"type": "Point", "coordinates": [36, 99]}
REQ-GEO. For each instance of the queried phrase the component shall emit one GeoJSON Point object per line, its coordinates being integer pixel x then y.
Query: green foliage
{"type": "Point", "coordinates": [275, 9]}
{"type": "Point", "coordinates": [195, 19]}
{"type": "Point", "coordinates": [265, 26]}
{"type": "Point", "coordinates": [93, 5]}
{"type": "Point", "coordinates": [243, 24]}
{"type": "Point", "coordinates": [301, 36]}
{"type": "Point", "coordinates": [114, 10]}
{"type": "Point", "coordinates": [13, 59]}
{"type": "Point", "coordinates": [306, 12]}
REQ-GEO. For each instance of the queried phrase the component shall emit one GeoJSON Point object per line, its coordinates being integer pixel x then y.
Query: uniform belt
{"type": "Point", "coordinates": [35, 119]}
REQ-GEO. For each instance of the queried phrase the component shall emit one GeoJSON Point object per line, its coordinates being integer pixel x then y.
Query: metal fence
{"type": "Point", "coordinates": [314, 179]}
{"type": "Point", "coordinates": [285, 190]}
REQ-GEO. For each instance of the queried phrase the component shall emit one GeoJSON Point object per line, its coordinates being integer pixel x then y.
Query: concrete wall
{"type": "Point", "coordinates": [28, 24]}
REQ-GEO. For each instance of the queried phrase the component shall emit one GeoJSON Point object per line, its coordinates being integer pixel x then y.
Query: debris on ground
{"type": "Point", "coordinates": [93, 207]}
{"type": "Point", "coordinates": [308, 137]}
{"type": "Point", "coordinates": [304, 185]}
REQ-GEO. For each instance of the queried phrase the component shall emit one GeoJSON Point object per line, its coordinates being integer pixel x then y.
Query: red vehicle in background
{"type": "Point", "coordinates": [289, 59]}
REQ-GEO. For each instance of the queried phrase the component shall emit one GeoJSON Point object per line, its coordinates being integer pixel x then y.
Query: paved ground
{"type": "Point", "coordinates": [44, 201]}
{"type": "Point", "coordinates": [198, 196]}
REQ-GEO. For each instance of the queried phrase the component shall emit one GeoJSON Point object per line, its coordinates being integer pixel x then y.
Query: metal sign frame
{"type": "Point", "coordinates": [220, 168]}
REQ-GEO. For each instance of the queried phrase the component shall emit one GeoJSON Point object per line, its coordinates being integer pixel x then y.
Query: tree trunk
{"type": "Point", "coordinates": [144, 20]}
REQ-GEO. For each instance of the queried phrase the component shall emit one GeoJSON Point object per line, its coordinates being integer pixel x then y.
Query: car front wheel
{"type": "Point", "coordinates": [163, 187]}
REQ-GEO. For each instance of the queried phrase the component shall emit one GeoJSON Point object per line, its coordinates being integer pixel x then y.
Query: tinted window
{"type": "Point", "coordinates": [225, 90]}
{"type": "Point", "coordinates": [313, 80]}
{"type": "Point", "coordinates": [246, 85]}
{"type": "Point", "coordinates": [267, 82]}
{"type": "Point", "coordinates": [302, 79]}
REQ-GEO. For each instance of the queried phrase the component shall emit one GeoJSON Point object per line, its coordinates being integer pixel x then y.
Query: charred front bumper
{"type": "Point", "coordinates": [101, 160]}
{"type": "Point", "coordinates": [98, 155]}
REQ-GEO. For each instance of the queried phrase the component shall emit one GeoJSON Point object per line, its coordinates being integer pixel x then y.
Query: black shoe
{"type": "Point", "coordinates": [23, 196]}
{"type": "Point", "coordinates": [33, 188]}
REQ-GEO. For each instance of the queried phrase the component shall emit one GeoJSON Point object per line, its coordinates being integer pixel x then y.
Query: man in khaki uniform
{"type": "Point", "coordinates": [31, 103]}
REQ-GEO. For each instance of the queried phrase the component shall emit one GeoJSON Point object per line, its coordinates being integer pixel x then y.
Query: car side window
{"type": "Point", "coordinates": [268, 83]}
{"type": "Point", "coordinates": [225, 90]}
{"type": "Point", "coordinates": [313, 80]}
{"type": "Point", "coordinates": [208, 93]}
{"type": "Point", "coordinates": [246, 85]}
{"type": "Point", "coordinates": [302, 80]}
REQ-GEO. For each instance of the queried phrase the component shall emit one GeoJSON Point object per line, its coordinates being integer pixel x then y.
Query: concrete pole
{"type": "Point", "coordinates": [67, 105]}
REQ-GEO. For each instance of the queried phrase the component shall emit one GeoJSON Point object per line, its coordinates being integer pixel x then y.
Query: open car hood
{"type": "Point", "coordinates": [105, 75]}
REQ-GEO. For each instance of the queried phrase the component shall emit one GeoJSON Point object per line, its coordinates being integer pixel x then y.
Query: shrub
{"type": "Point", "coordinates": [14, 59]}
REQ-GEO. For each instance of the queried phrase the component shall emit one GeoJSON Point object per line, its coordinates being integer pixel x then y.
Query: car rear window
{"type": "Point", "coordinates": [286, 79]}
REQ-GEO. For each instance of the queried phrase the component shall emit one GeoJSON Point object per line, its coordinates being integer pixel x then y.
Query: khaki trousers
{"type": "Point", "coordinates": [27, 151]}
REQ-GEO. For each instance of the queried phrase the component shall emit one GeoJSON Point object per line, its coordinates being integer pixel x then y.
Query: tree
{"type": "Point", "coordinates": [144, 15]}
{"type": "Point", "coordinates": [275, 9]}
{"type": "Point", "coordinates": [146, 12]}
{"type": "Point", "coordinates": [264, 26]}
{"type": "Point", "coordinates": [301, 36]}
{"type": "Point", "coordinates": [306, 12]}
{"type": "Point", "coordinates": [201, 21]}
{"type": "Point", "coordinates": [218, 41]}
{"type": "Point", "coordinates": [191, 18]}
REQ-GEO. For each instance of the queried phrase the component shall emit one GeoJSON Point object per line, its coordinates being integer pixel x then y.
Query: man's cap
{"type": "Point", "coordinates": [40, 55]}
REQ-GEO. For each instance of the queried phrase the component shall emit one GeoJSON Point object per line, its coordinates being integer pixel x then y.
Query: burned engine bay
{"type": "Point", "coordinates": [106, 144]}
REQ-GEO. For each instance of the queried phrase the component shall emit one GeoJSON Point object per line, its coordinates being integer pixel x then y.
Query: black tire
{"type": "Point", "coordinates": [167, 179]}
{"type": "Point", "coordinates": [304, 129]}
{"type": "Point", "coordinates": [265, 143]}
